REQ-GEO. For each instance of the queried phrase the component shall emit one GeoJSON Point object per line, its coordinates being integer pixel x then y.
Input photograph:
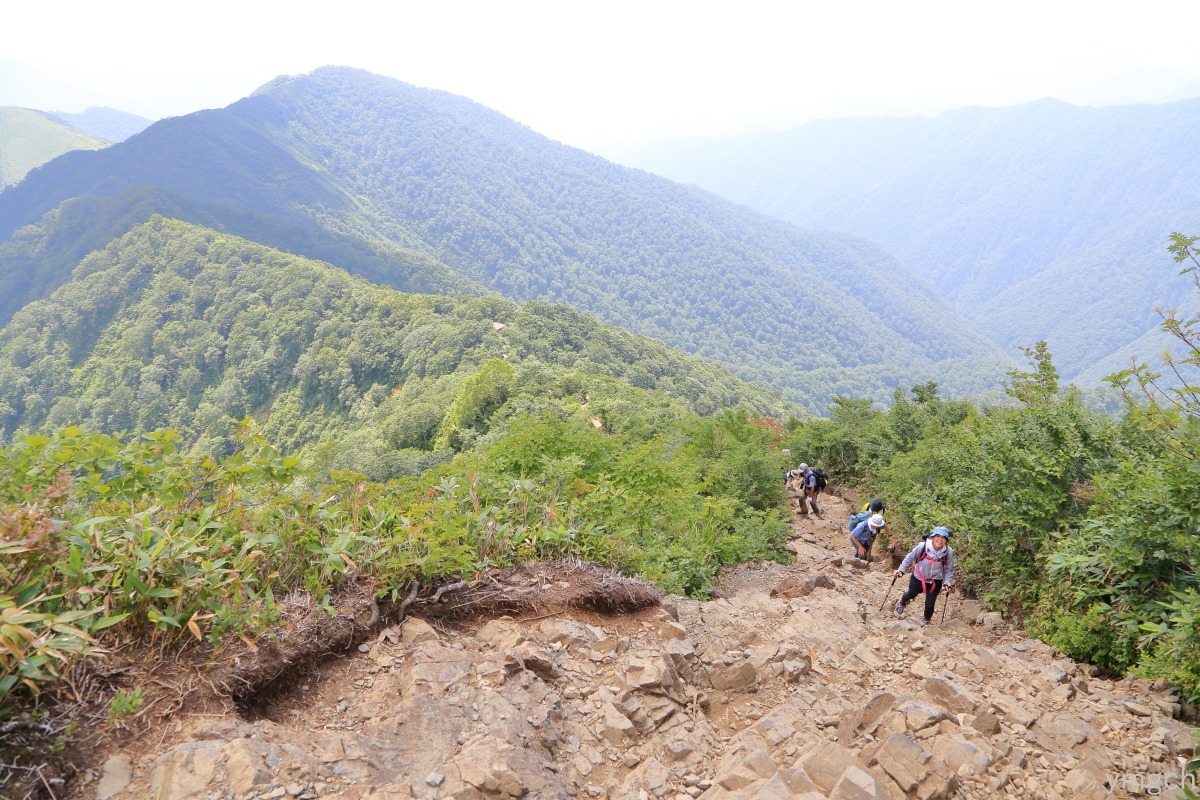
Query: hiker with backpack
{"type": "Point", "coordinates": [863, 533]}
{"type": "Point", "coordinates": [813, 481]}
{"type": "Point", "coordinates": [932, 563]}
{"type": "Point", "coordinates": [873, 507]}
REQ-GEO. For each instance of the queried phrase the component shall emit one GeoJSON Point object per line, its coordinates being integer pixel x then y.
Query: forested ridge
{"type": "Point", "coordinates": [178, 326]}
{"type": "Point", "coordinates": [215, 396]}
{"type": "Point", "coordinates": [1040, 221]}
{"type": "Point", "coordinates": [377, 163]}
{"type": "Point", "coordinates": [200, 425]}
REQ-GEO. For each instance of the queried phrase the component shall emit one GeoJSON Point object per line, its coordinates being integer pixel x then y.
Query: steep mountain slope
{"type": "Point", "coordinates": [30, 138]}
{"type": "Point", "coordinates": [1039, 221]}
{"type": "Point", "coordinates": [808, 693]}
{"type": "Point", "coordinates": [341, 152]}
{"type": "Point", "coordinates": [175, 325]}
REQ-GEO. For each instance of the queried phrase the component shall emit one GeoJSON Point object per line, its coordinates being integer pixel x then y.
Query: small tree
{"type": "Point", "coordinates": [1038, 386]}
{"type": "Point", "coordinates": [1164, 405]}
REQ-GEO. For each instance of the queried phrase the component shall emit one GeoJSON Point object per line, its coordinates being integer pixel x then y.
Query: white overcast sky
{"type": "Point", "coordinates": [600, 74]}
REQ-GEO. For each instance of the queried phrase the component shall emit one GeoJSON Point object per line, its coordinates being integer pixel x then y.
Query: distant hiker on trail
{"type": "Point", "coordinates": [812, 482]}
{"type": "Point", "coordinates": [933, 566]}
{"type": "Point", "coordinates": [864, 533]}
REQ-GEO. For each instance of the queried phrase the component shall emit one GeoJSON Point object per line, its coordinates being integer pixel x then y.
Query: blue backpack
{"type": "Point", "coordinates": [856, 519]}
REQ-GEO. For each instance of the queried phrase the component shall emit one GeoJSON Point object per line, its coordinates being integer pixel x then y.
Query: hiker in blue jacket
{"type": "Point", "coordinates": [864, 533]}
{"type": "Point", "coordinates": [812, 483]}
{"type": "Point", "coordinates": [933, 567]}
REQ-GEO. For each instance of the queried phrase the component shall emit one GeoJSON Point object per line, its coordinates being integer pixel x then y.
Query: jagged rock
{"type": "Point", "coordinates": [735, 678]}
{"type": "Point", "coordinates": [533, 657]}
{"type": "Point", "coordinates": [775, 788]}
{"type": "Point", "coordinates": [795, 670]}
{"type": "Point", "coordinates": [1066, 733]}
{"type": "Point", "coordinates": [920, 668]}
{"type": "Point", "coordinates": [920, 715]}
{"type": "Point", "coordinates": [1014, 711]}
{"type": "Point", "coordinates": [568, 633]}
{"type": "Point", "coordinates": [679, 751]}
{"type": "Point", "coordinates": [798, 781]}
{"type": "Point", "coordinates": [683, 658]}
{"type": "Point", "coordinates": [491, 773]}
{"type": "Point", "coordinates": [184, 770]}
{"type": "Point", "coordinates": [857, 784]}
{"type": "Point", "coordinates": [865, 653]}
{"type": "Point", "coordinates": [115, 775]}
{"type": "Point", "coordinates": [651, 777]}
{"type": "Point", "coordinates": [950, 695]}
{"type": "Point", "coordinates": [735, 776]}
{"type": "Point", "coordinates": [1088, 779]}
{"type": "Point", "coordinates": [986, 723]}
{"type": "Point", "coordinates": [865, 719]}
{"type": "Point", "coordinates": [609, 645]}
{"type": "Point", "coordinates": [826, 764]}
{"type": "Point", "coordinates": [991, 620]}
{"type": "Point", "coordinates": [962, 756]}
{"type": "Point", "coordinates": [415, 631]}
{"type": "Point", "coordinates": [776, 727]}
{"type": "Point", "coordinates": [245, 766]}
{"type": "Point", "coordinates": [761, 764]}
{"type": "Point", "coordinates": [616, 727]}
{"type": "Point", "coordinates": [1137, 709]}
{"type": "Point", "coordinates": [502, 633]}
{"type": "Point", "coordinates": [672, 630]}
{"type": "Point", "coordinates": [1177, 737]}
{"type": "Point", "coordinates": [793, 587]}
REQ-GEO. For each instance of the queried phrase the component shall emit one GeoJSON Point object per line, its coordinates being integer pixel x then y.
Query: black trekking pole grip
{"type": "Point", "coordinates": [889, 592]}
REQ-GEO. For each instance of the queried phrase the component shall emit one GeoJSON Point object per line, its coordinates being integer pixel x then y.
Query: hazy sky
{"type": "Point", "coordinates": [596, 74]}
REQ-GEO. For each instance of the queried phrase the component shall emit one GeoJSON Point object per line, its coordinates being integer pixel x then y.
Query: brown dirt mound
{"type": "Point", "coordinates": [543, 588]}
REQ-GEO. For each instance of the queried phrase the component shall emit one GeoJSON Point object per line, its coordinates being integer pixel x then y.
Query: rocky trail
{"type": "Point", "coordinates": [791, 684]}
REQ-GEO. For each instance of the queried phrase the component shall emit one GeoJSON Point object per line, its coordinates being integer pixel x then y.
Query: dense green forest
{"type": "Point", "coordinates": [178, 326]}
{"type": "Point", "coordinates": [420, 439]}
{"type": "Point", "coordinates": [1041, 221]}
{"type": "Point", "coordinates": [531, 440]}
{"type": "Point", "coordinates": [351, 168]}
{"type": "Point", "coordinates": [1085, 526]}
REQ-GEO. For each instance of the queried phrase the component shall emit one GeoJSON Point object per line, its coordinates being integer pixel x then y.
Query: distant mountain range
{"type": "Point", "coordinates": [30, 138]}
{"type": "Point", "coordinates": [427, 191]}
{"type": "Point", "coordinates": [105, 123]}
{"type": "Point", "coordinates": [1041, 221]}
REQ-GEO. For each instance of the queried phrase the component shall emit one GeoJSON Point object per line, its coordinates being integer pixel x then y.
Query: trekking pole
{"type": "Point", "coordinates": [949, 594]}
{"type": "Point", "coordinates": [889, 592]}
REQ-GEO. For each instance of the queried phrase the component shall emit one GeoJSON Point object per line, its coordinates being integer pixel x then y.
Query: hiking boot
{"type": "Point", "coordinates": [924, 622]}
{"type": "Point", "coordinates": [899, 608]}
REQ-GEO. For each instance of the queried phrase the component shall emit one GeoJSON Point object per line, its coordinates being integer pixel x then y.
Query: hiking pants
{"type": "Point", "coordinates": [865, 547]}
{"type": "Point", "coordinates": [914, 589]}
